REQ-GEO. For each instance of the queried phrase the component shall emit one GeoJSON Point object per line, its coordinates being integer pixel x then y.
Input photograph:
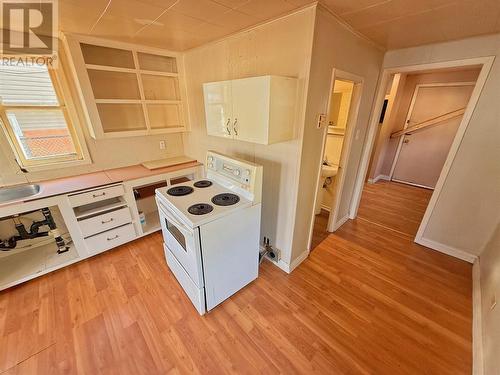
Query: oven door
{"type": "Point", "coordinates": [183, 242]}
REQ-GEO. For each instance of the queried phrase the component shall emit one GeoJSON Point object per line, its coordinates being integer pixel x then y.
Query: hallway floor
{"type": "Point", "coordinates": [388, 204]}
{"type": "Point", "coordinates": [395, 206]}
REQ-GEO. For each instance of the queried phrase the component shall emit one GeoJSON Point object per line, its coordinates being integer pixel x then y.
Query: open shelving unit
{"type": "Point", "coordinates": [128, 91]}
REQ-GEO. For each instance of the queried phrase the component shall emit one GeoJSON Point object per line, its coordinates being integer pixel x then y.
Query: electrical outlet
{"type": "Point", "coordinates": [493, 302]}
{"type": "Point", "coordinates": [274, 255]}
{"type": "Point", "coordinates": [162, 145]}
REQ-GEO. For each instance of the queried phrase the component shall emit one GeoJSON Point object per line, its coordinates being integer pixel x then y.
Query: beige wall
{"type": "Point", "coordinates": [335, 46]}
{"type": "Point", "coordinates": [281, 47]}
{"type": "Point", "coordinates": [489, 261]}
{"type": "Point", "coordinates": [105, 154]}
{"type": "Point", "coordinates": [389, 146]}
{"type": "Point", "coordinates": [468, 207]}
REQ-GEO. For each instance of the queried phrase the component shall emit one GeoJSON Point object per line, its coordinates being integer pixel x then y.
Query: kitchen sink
{"type": "Point", "coordinates": [18, 192]}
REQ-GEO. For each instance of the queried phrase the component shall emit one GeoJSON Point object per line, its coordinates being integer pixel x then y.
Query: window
{"type": "Point", "coordinates": [34, 116]}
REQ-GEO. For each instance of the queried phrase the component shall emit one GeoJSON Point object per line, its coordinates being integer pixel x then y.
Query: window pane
{"type": "Point", "coordinates": [26, 85]}
{"type": "Point", "coordinates": [41, 133]}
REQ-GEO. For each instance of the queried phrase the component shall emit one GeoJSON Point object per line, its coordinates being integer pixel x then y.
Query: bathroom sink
{"type": "Point", "coordinates": [18, 192]}
{"type": "Point", "coordinates": [329, 170]}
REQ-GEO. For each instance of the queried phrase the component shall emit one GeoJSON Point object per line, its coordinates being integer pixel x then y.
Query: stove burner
{"type": "Point", "coordinates": [200, 209]}
{"type": "Point", "coordinates": [225, 199]}
{"type": "Point", "coordinates": [178, 191]}
{"type": "Point", "coordinates": [202, 184]}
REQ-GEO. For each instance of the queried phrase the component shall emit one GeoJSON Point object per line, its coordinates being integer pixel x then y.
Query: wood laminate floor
{"type": "Point", "coordinates": [393, 205]}
{"type": "Point", "coordinates": [367, 301]}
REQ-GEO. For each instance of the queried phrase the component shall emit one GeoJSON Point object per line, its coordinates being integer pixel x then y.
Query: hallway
{"type": "Point", "coordinates": [387, 204]}
{"type": "Point", "coordinates": [394, 206]}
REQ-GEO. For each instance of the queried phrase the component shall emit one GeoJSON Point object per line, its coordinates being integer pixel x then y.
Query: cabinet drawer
{"type": "Point", "coordinates": [111, 238]}
{"type": "Point", "coordinates": [105, 221]}
{"type": "Point", "coordinates": [96, 195]}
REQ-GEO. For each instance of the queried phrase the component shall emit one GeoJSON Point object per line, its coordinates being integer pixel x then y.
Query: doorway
{"type": "Point", "coordinates": [435, 112]}
{"type": "Point", "coordinates": [415, 142]}
{"type": "Point", "coordinates": [345, 94]}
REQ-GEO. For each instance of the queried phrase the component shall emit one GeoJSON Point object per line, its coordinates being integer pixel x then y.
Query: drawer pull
{"type": "Point", "coordinates": [99, 195]}
{"type": "Point", "coordinates": [106, 221]}
{"type": "Point", "coordinates": [112, 238]}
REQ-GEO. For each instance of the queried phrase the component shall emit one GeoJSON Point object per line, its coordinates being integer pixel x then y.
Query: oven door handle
{"type": "Point", "coordinates": [185, 230]}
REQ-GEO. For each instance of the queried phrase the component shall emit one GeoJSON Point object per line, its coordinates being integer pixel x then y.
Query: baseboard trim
{"type": "Point", "coordinates": [296, 262]}
{"type": "Point", "coordinates": [340, 222]}
{"type": "Point", "coordinates": [285, 267]}
{"type": "Point", "coordinates": [448, 250]}
{"type": "Point", "coordinates": [477, 326]}
{"type": "Point", "coordinates": [288, 268]}
{"type": "Point", "coordinates": [378, 178]}
{"type": "Point", "coordinates": [325, 207]}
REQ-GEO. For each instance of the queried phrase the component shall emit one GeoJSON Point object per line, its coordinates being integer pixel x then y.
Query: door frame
{"type": "Point", "coordinates": [352, 117]}
{"type": "Point", "coordinates": [485, 63]}
{"type": "Point", "coordinates": [408, 116]}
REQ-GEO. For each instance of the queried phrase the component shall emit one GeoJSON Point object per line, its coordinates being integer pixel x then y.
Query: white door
{"type": "Point", "coordinates": [423, 153]}
{"type": "Point", "coordinates": [218, 108]}
{"type": "Point", "coordinates": [251, 109]}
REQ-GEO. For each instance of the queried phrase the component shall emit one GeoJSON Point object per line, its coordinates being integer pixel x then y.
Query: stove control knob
{"type": "Point", "coordinates": [210, 165]}
{"type": "Point", "coordinates": [236, 172]}
{"type": "Point", "coordinates": [247, 172]}
{"type": "Point", "coordinates": [210, 158]}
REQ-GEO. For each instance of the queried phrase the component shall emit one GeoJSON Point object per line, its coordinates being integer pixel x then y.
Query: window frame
{"type": "Point", "coordinates": [66, 106]}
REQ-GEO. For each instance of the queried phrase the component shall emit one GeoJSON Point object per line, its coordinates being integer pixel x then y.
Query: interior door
{"type": "Point", "coordinates": [423, 153]}
{"type": "Point", "coordinates": [218, 108]}
{"type": "Point", "coordinates": [251, 109]}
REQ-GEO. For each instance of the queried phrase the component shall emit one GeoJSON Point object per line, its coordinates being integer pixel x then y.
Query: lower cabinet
{"type": "Point", "coordinates": [111, 238]}
{"type": "Point", "coordinates": [104, 218]}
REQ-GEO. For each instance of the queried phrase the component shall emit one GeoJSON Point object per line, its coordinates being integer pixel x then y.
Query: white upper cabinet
{"type": "Point", "coordinates": [218, 108]}
{"type": "Point", "coordinates": [128, 90]}
{"type": "Point", "coordinates": [258, 109]}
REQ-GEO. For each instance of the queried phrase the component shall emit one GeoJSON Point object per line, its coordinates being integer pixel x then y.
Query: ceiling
{"type": "Point", "coordinates": [182, 24]}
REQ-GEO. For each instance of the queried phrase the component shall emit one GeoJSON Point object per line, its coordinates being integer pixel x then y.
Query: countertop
{"type": "Point", "coordinates": [50, 188]}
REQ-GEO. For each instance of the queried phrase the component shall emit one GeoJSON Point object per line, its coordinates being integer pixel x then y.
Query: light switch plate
{"type": "Point", "coordinates": [321, 120]}
{"type": "Point", "coordinates": [162, 145]}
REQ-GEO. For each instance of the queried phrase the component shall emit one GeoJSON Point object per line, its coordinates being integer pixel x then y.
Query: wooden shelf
{"type": "Point", "coordinates": [34, 262]}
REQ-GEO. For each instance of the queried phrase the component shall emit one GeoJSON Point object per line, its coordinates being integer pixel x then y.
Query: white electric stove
{"type": "Point", "coordinates": [211, 229]}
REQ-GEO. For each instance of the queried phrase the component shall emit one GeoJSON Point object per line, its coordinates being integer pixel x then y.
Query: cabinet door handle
{"type": "Point", "coordinates": [112, 238]}
{"type": "Point", "coordinates": [227, 126]}
{"type": "Point", "coordinates": [235, 129]}
{"type": "Point", "coordinates": [99, 195]}
{"type": "Point", "coordinates": [106, 221]}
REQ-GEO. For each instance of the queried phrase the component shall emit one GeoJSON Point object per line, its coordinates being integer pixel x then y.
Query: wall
{"type": "Point", "coordinates": [281, 47]}
{"type": "Point", "coordinates": [105, 154]}
{"type": "Point", "coordinates": [393, 97]}
{"type": "Point", "coordinates": [335, 46]}
{"type": "Point", "coordinates": [489, 261]}
{"type": "Point", "coordinates": [389, 146]}
{"type": "Point", "coordinates": [468, 207]}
